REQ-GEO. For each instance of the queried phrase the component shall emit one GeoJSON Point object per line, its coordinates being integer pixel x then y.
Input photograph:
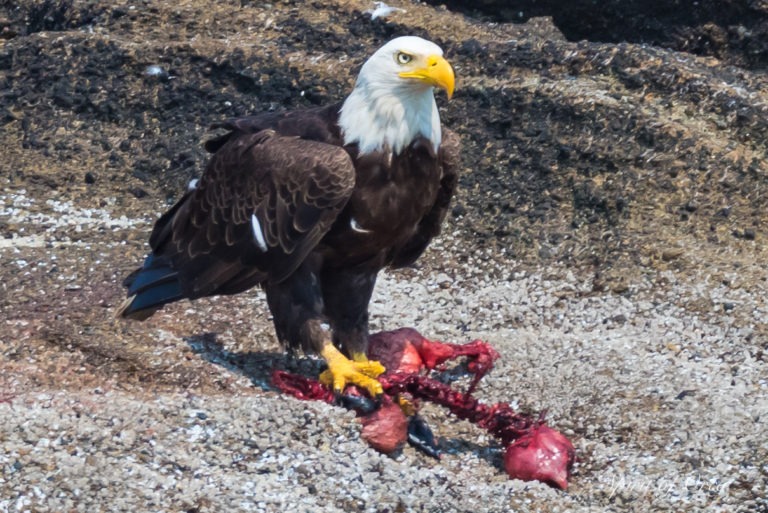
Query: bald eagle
{"type": "Point", "coordinates": [311, 205]}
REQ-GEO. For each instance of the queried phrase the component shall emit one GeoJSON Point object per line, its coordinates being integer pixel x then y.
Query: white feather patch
{"type": "Point", "coordinates": [192, 185]}
{"type": "Point", "coordinates": [356, 226]}
{"type": "Point", "coordinates": [257, 233]}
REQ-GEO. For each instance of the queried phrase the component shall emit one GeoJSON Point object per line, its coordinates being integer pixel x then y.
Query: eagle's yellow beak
{"type": "Point", "coordinates": [437, 73]}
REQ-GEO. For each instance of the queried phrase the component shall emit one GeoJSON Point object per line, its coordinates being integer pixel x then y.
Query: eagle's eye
{"type": "Point", "coordinates": [403, 58]}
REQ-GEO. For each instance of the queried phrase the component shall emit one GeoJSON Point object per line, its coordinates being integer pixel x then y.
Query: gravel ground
{"type": "Point", "coordinates": [661, 396]}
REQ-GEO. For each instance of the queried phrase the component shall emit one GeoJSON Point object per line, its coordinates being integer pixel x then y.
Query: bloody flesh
{"type": "Point", "coordinates": [534, 451]}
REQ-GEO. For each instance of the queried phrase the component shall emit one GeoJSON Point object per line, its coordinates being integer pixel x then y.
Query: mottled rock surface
{"type": "Point", "coordinates": [608, 239]}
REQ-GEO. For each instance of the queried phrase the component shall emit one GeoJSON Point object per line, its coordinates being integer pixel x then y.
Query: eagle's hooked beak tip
{"type": "Point", "coordinates": [441, 72]}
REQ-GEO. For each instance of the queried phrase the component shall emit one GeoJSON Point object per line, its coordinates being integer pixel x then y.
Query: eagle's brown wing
{"type": "Point", "coordinates": [263, 203]}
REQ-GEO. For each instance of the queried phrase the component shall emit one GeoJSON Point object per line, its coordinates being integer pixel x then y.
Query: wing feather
{"type": "Point", "coordinates": [294, 187]}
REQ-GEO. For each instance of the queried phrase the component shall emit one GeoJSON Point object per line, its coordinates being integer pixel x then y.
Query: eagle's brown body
{"type": "Point", "coordinates": [330, 219]}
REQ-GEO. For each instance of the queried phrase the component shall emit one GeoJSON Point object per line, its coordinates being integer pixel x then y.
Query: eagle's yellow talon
{"type": "Point", "coordinates": [407, 407]}
{"type": "Point", "coordinates": [342, 372]}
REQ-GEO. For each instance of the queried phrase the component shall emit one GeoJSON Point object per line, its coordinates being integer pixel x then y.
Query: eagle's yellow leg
{"type": "Point", "coordinates": [342, 371]}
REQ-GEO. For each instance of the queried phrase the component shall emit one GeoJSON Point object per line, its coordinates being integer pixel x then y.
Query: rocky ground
{"type": "Point", "coordinates": [608, 239]}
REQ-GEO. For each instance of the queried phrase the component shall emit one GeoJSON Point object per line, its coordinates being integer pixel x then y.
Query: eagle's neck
{"type": "Point", "coordinates": [389, 119]}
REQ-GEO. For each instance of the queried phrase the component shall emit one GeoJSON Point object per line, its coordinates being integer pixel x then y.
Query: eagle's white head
{"type": "Point", "coordinates": [393, 100]}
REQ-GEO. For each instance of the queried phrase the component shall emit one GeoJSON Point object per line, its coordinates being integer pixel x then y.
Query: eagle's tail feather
{"type": "Point", "coordinates": [149, 288]}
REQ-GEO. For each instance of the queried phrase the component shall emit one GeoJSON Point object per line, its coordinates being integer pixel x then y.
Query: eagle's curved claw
{"type": "Point", "coordinates": [342, 372]}
{"type": "Point", "coordinates": [360, 404]}
{"type": "Point", "coordinates": [421, 437]}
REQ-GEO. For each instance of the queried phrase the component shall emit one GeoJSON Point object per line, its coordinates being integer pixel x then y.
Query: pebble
{"type": "Point", "coordinates": [157, 72]}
